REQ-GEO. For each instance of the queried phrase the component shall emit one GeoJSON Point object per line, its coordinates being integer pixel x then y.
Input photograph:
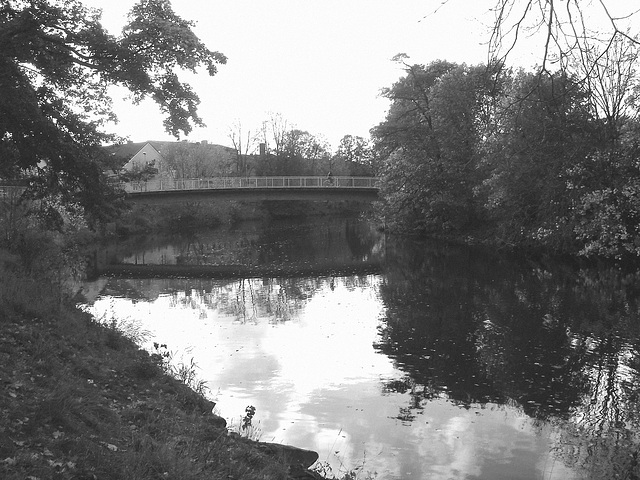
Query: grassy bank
{"type": "Point", "coordinates": [80, 400]}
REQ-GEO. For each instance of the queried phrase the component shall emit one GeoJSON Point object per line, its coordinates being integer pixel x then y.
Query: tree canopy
{"type": "Point", "coordinates": [546, 157]}
{"type": "Point", "coordinates": [57, 63]}
{"type": "Point", "coordinates": [514, 157]}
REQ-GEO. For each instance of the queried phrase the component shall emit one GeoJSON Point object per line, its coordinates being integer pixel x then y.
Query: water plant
{"type": "Point", "coordinates": [186, 372]}
{"type": "Point", "coordinates": [246, 427]}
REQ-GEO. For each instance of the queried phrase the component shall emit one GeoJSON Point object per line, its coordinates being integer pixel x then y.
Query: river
{"type": "Point", "coordinates": [403, 359]}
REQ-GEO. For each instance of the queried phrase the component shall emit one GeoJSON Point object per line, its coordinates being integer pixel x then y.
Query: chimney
{"type": "Point", "coordinates": [263, 149]}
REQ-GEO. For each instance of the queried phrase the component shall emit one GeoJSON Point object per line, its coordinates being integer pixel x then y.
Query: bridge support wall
{"type": "Point", "coordinates": [254, 195]}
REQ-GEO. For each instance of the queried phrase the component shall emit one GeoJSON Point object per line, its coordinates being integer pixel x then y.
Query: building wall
{"type": "Point", "coordinates": [147, 155]}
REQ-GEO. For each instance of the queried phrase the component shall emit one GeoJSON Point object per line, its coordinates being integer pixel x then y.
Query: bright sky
{"type": "Point", "coordinates": [319, 63]}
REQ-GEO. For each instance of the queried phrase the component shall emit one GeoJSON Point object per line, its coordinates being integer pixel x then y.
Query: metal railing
{"type": "Point", "coordinates": [220, 183]}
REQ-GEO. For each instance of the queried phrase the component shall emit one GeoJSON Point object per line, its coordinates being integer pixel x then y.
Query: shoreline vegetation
{"type": "Point", "coordinates": [81, 400]}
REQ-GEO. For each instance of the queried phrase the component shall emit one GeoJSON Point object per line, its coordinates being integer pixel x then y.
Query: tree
{"type": "Point", "coordinates": [356, 153]}
{"type": "Point", "coordinates": [273, 132]}
{"type": "Point", "coordinates": [428, 145]}
{"type": "Point", "coordinates": [289, 150]}
{"type": "Point", "coordinates": [302, 151]}
{"type": "Point", "coordinates": [200, 160]}
{"type": "Point", "coordinates": [610, 76]}
{"type": "Point", "coordinates": [243, 143]}
{"type": "Point", "coordinates": [591, 203]}
{"type": "Point", "coordinates": [562, 28]}
{"type": "Point", "coordinates": [544, 129]}
{"type": "Point", "coordinates": [56, 64]}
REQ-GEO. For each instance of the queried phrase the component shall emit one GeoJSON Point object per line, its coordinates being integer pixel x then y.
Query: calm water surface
{"type": "Point", "coordinates": [413, 360]}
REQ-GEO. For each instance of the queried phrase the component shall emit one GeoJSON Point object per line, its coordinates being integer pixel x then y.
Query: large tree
{"type": "Point", "coordinates": [428, 145]}
{"type": "Point", "coordinates": [356, 154]}
{"type": "Point", "coordinates": [544, 129]}
{"type": "Point", "coordinates": [56, 65]}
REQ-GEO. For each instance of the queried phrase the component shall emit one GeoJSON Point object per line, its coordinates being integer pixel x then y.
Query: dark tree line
{"type": "Point", "coordinates": [522, 158]}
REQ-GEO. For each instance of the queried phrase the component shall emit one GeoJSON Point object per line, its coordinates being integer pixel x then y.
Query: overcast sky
{"type": "Point", "coordinates": [319, 63]}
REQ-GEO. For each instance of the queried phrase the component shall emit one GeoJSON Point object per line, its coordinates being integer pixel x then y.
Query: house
{"type": "Point", "coordinates": [176, 159]}
{"type": "Point", "coordinates": [147, 155]}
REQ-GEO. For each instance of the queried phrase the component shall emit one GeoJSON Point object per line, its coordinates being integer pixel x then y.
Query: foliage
{"type": "Point", "coordinates": [246, 428]}
{"type": "Point", "coordinates": [428, 145]}
{"type": "Point", "coordinates": [289, 150]}
{"type": "Point", "coordinates": [13, 216]}
{"type": "Point", "coordinates": [57, 63]}
{"type": "Point", "coordinates": [607, 208]}
{"type": "Point", "coordinates": [178, 369]}
{"type": "Point", "coordinates": [201, 160]}
{"type": "Point", "coordinates": [544, 127]}
{"type": "Point", "coordinates": [517, 158]}
{"type": "Point", "coordinates": [356, 153]}
{"type": "Point", "coordinates": [139, 173]}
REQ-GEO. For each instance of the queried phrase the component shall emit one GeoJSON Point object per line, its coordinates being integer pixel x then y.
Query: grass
{"type": "Point", "coordinates": [81, 401]}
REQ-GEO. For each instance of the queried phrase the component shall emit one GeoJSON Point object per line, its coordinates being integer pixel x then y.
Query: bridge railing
{"type": "Point", "coordinates": [159, 185]}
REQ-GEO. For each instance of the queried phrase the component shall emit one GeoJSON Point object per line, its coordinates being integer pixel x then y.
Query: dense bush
{"type": "Point", "coordinates": [513, 158]}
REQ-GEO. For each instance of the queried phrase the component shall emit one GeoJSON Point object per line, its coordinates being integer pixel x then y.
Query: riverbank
{"type": "Point", "coordinates": [180, 217]}
{"type": "Point", "coordinates": [80, 400]}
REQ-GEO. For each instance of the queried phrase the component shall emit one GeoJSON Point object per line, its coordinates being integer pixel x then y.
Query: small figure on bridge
{"type": "Point", "coordinates": [329, 180]}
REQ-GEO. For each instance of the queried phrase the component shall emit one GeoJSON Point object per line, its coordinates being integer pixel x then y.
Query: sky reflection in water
{"type": "Point", "coordinates": [411, 375]}
{"type": "Point", "coordinates": [316, 382]}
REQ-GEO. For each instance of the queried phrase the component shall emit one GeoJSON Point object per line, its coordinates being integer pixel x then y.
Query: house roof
{"type": "Point", "coordinates": [125, 151]}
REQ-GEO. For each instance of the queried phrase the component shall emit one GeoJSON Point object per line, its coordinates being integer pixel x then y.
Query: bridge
{"type": "Point", "coordinates": [253, 188]}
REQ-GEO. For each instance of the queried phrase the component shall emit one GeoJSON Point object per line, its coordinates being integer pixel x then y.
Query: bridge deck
{"type": "Point", "coordinates": [251, 183]}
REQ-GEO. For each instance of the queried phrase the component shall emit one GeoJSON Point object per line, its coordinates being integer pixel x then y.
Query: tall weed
{"type": "Point", "coordinates": [186, 372]}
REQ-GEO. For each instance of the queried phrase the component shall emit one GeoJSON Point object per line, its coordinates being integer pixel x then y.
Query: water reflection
{"type": "Point", "coordinates": [447, 363]}
{"type": "Point", "coordinates": [304, 248]}
{"type": "Point", "coordinates": [558, 346]}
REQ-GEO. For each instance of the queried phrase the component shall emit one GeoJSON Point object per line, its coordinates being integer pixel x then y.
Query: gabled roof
{"type": "Point", "coordinates": [128, 150]}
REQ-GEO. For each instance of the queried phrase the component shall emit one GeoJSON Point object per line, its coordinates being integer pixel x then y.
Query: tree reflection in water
{"type": "Point", "coordinates": [265, 298]}
{"type": "Point", "coordinates": [477, 328]}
